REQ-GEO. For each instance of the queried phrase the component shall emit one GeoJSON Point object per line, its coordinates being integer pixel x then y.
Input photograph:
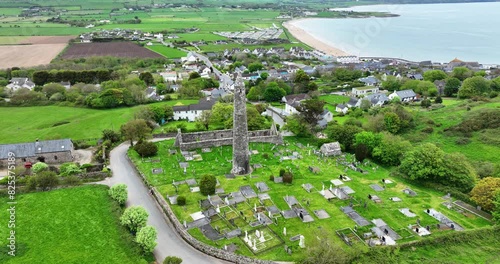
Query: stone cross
{"type": "Point", "coordinates": [257, 233]}
{"type": "Point", "coordinates": [269, 214]}
{"type": "Point", "coordinates": [255, 207]}
{"type": "Point", "coordinates": [226, 200]}
{"type": "Point", "coordinates": [185, 224]}
{"type": "Point", "coordinates": [284, 231]}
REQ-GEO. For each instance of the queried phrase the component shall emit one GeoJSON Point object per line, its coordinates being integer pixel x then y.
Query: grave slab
{"type": "Point", "coordinates": [395, 199]}
{"type": "Point", "coordinates": [308, 187]}
{"type": "Point", "coordinates": [191, 182]}
{"type": "Point", "coordinates": [289, 214]}
{"type": "Point", "coordinates": [172, 199]}
{"type": "Point", "coordinates": [290, 200]}
{"type": "Point", "coordinates": [376, 187]}
{"type": "Point", "coordinates": [264, 196]}
{"type": "Point", "coordinates": [229, 176]}
{"type": "Point", "coordinates": [194, 189]}
{"type": "Point", "coordinates": [321, 214]}
{"type": "Point", "coordinates": [197, 215]}
{"type": "Point", "coordinates": [273, 209]}
{"type": "Point", "coordinates": [407, 212]}
{"type": "Point", "coordinates": [336, 182]}
{"type": "Point", "coordinates": [262, 187]}
{"type": "Point", "coordinates": [278, 179]}
{"type": "Point", "coordinates": [210, 232]}
{"type": "Point", "coordinates": [197, 223]}
{"type": "Point", "coordinates": [219, 191]}
{"type": "Point", "coordinates": [361, 221]}
{"type": "Point", "coordinates": [347, 190]}
{"type": "Point", "coordinates": [247, 191]}
{"type": "Point", "coordinates": [157, 171]}
{"type": "Point", "coordinates": [233, 233]}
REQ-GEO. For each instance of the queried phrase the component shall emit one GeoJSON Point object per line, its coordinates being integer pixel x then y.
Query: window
{"type": "Point", "coordinates": [55, 157]}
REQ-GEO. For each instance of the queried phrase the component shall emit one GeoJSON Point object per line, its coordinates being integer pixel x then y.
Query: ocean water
{"type": "Point", "coordinates": [437, 32]}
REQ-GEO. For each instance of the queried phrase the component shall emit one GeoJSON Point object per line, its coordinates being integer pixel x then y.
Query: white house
{"type": "Point", "coordinates": [170, 76]}
{"type": "Point", "coordinates": [18, 83]}
{"type": "Point", "coordinates": [404, 95]}
{"type": "Point", "coordinates": [341, 108]}
{"type": "Point", "coordinates": [292, 102]}
{"type": "Point", "coordinates": [190, 58]}
{"type": "Point", "coordinates": [369, 81]}
{"type": "Point", "coordinates": [348, 59]}
{"type": "Point", "coordinates": [325, 118]}
{"type": "Point", "coordinates": [364, 90]}
{"type": "Point", "coordinates": [191, 112]}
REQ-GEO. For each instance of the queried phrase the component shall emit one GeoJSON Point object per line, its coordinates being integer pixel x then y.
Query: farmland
{"type": "Point", "coordinates": [115, 49]}
{"type": "Point", "coordinates": [62, 226]}
{"type": "Point", "coordinates": [167, 51]}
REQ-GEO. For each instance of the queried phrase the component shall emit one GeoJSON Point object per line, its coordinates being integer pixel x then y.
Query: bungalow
{"type": "Point", "coordinates": [341, 108]}
{"type": "Point", "coordinates": [152, 95]}
{"type": "Point", "coordinates": [404, 95]}
{"type": "Point", "coordinates": [369, 81]}
{"type": "Point", "coordinates": [50, 151]}
{"type": "Point", "coordinates": [191, 112]}
{"type": "Point", "coordinates": [353, 102]}
{"type": "Point", "coordinates": [170, 76]}
{"type": "Point", "coordinates": [376, 99]}
{"type": "Point", "coordinates": [416, 76]}
{"type": "Point", "coordinates": [18, 83]}
{"type": "Point", "coordinates": [364, 90]}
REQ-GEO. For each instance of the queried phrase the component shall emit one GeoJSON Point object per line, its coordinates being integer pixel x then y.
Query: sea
{"type": "Point", "coordinates": [436, 32]}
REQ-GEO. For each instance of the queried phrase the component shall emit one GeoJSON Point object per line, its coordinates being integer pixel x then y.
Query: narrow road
{"type": "Point", "coordinates": [169, 242]}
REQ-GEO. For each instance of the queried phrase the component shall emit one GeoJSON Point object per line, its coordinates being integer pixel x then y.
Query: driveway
{"type": "Point", "coordinates": [169, 242]}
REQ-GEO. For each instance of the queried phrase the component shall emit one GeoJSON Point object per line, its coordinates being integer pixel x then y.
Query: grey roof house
{"type": "Point", "coordinates": [49, 151]}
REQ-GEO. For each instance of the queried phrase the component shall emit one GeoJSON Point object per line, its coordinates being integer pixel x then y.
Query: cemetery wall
{"type": "Point", "coordinates": [179, 228]}
{"type": "Point", "coordinates": [190, 141]}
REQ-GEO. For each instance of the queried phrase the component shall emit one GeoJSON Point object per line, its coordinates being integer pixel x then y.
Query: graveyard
{"type": "Point", "coordinates": [260, 216]}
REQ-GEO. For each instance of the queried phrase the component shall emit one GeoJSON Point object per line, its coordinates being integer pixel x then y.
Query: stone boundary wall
{"type": "Point", "coordinates": [179, 228]}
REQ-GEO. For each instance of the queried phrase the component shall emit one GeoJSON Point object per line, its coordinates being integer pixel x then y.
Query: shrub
{"type": "Point", "coordinates": [46, 180]}
{"type": "Point", "coordinates": [119, 193]}
{"type": "Point", "coordinates": [287, 177]}
{"type": "Point", "coordinates": [282, 172]}
{"type": "Point", "coordinates": [146, 238]}
{"type": "Point", "coordinates": [69, 169]}
{"type": "Point", "coordinates": [134, 218]}
{"type": "Point", "coordinates": [71, 180]}
{"type": "Point", "coordinates": [438, 100]}
{"type": "Point", "coordinates": [146, 149]}
{"type": "Point", "coordinates": [181, 200]}
{"type": "Point", "coordinates": [172, 260]}
{"type": "Point", "coordinates": [462, 141]}
{"type": "Point", "coordinates": [265, 156]}
{"type": "Point", "coordinates": [207, 185]}
{"type": "Point", "coordinates": [39, 166]}
{"type": "Point", "coordinates": [428, 130]}
{"type": "Point", "coordinates": [271, 177]}
{"type": "Point", "coordinates": [30, 183]}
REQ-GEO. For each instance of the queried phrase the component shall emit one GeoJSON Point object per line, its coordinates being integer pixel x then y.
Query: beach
{"type": "Point", "coordinates": [310, 40]}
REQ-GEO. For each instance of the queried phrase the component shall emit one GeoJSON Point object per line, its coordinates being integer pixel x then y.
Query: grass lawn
{"type": "Point", "coordinates": [216, 163]}
{"type": "Point", "coordinates": [75, 225]}
{"type": "Point", "coordinates": [167, 51]}
{"type": "Point", "coordinates": [25, 124]}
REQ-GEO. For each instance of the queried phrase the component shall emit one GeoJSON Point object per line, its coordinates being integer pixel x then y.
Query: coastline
{"type": "Point", "coordinates": [304, 37]}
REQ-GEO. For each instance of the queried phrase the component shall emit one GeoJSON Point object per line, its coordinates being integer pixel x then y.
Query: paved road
{"type": "Point", "coordinates": [169, 242]}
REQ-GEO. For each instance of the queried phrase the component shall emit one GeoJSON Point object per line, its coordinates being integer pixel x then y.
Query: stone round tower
{"type": "Point", "coordinates": [241, 156]}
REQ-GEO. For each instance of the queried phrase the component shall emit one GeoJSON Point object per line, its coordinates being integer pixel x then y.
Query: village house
{"type": "Point", "coordinates": [152, 95]}
{"type": "Point", "coordinates": [325, 118]}
{"type": "Point", "coordinates": [191, 112]}
{"type": "Point", "coordinates": [341, 108]}
{"type": "Point", "coordinates": [18, 83]}
{"type": "Point", "coordinates": [170, 76]}
{"type": "Point", "coordinates": [369, 81]}
{"type": "Point", "coordinates": [364, 90]}
{"type": "Point", "coordinates": [50, 151]}
{"type": "Point", "coordinates": [292, 101]}
{"type": "Point", "coordinates": [404, 95]}
{"type": "Point", "coordinates": [347, 59]}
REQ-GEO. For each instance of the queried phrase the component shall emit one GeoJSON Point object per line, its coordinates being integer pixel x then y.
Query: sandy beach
{"type": "Point", "coordinates": [310, 40]}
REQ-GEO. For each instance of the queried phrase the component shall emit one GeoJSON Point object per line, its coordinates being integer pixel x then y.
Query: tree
{"type": "Point", "coordinates": [134, 218]}
{"type": "Point", "coordinates": [369, 139]}
{"type": "Point", "coordinates": [461, 73]}
{"type": "Point", "coordinates": [410, 85]}
{"type": "Point", "coordinates": [172, 260]}
{"type": "Point", "coordinates": [301, 82]}
{"type": "Point", "coordinates": [361, 152]}
{"type": "Point", "coordinates": [39, 167]}
{"type": "Point", "coordinates": [423, 162]}
{"type": "Point", "coordinates": [146, 149]}
{"type": "Point", "coordinates": [112, 136]}
{"type": "Point", "coordinates": [438, 100]}
{"type": "Point", "coordinates": [496, 211]}
{"type": "Point", "coordinates": [69, 168]}
{"type": "Point", "coordinates": [46, 180]}
{"type": "Point", "coordinates": [273, 93]}
{"type": "Point", "coordinates": [474, 86]}
{"type": "Point", "coordinates": [136, 129]}
{"type": "Point", "coordinates": [343, 134]}
{"type": "Point", "coordinates": [207, 184]}
{"type": "Point", "coordinates": [365, 104]}
{"type": "Point", "coordinates": [311, 110]}
{"type": "Point", "coordinates": [434, 75]}
{"type": "Point", "coordinates": [495, 84]}
{"type": "Point", "coordinates": [256, 66]}
{"type": "Point", "coordinates": [392, 122]}
{"type": "Point", "coordinates": [391, 149]}
{"type": "Point", "coordinates": [119, 193]}
{"type": "Point", "coordinates": [424, 87]}
{"type": "Point", "coordinates": [451, 87]}
{"type": "Point", "coordinates": [459, 172]}
{"type": "Point", "coordinates": [264, 76]}
{"type": "Point", "coordinates": [391, 84]}
{"type": "Point", "coordinates": [146, 238]}
{"type": "Point", "coordinates": [255, 121]}
{"type": "Point", "coordinates": [204, 119]}
{"type": "Point", "coordinates": [485, 192]}
{"type": "Point", "coordinates": [194, 75]}
{"type": "Point", "coordinates": [147, 77]}
{"type": "Point", "coordinates": [221, 113]}
{"type": "Point", "coordinates": [297, 125]}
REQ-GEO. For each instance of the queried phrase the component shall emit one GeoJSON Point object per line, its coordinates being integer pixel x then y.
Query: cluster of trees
{"type": "Point", "coordinates": [192, 87]}
{"type": "Point", "coordinates": [87, 76]}
{"type": "Point", "coordinates": [135, 219]}
{"type": "Point", "coordinates": [305, 123]}
{"type": "Point", "coordinates": [221, 116]}
{"type": "Point", "coordinates": [270, 91]}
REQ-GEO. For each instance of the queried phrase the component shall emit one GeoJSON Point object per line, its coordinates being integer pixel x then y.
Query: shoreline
{"type": "Point", "coordinates": [308, 39]}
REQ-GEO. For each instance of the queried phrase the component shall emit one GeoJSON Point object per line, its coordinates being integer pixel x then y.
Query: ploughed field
{"type": "Point", "coordinates": [115, 49]}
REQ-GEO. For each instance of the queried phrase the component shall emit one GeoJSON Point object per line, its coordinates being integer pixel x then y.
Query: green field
{"type": "Point", "coordinates": [167, 51]}
{"type": "Point", "coordinates": [25, 124]}
{"type": "Point", "coordinates": [215, 163]}
{"type": "Point", "coordinates": [75, 225]}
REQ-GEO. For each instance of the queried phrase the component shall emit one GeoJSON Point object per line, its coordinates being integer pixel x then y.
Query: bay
{"type": "Point", "coordinates": [437, 32]}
